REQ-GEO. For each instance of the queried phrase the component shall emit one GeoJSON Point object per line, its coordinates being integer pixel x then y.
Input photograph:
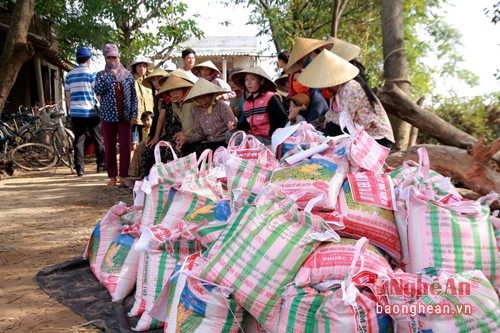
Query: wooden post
{"type": "Point", "coordinates": [224, 68]}
{"type": "Point", "coordinates": [39, 80]}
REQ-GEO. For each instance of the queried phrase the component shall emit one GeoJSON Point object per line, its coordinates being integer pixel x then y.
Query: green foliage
{"type": "Point", "coordinates": [426, 34]}
{"type": "Point", "coordinates": [478, 116]}
{"type": "Point", "coordinates": [137, 27]}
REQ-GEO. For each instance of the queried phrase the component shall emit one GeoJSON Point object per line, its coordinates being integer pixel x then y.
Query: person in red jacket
{"type": "Point", "coordinates": [262, 108]}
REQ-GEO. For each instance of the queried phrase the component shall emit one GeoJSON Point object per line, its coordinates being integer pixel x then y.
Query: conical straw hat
{"type": "Point", "coordinates": [174, 82]}
{"type": "Point", "coordinates": [301, 48]}
{"type": "Point", "coordinates": [157, 72]}
{"type": "Point", "coordinates": [179, 72]}
{"type": "Point", "coordinates": [281, 82]}
{"type": "Point", "coordinates": [208, 64]}
{"type": "Point", "coordinates": [204, 87]}
{"type": "Point", "coordinates": [344, 49]}
{"type": "Point", "coordinates": [239, 78]}
{"type": "Point", "coordinates": [327, 70]}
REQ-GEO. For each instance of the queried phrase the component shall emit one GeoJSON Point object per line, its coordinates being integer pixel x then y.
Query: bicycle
{"type": "Point", "coordinates": [54, 132]}
{"type": "Point", "coordinates": [25, 155]}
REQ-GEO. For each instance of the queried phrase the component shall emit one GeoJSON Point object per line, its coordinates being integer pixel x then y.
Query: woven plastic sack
{"type": "Point", "coordinates": [244, 146]}
{"type": "Point", "coordinates": [205, 308]}
{"type": "Point", "coordinates": [456, 237]}
{"type": "Point", "coordinates": [332, 261]}
{"type": "Point", "coordinates": [364, 150]}
{"type": "Point", "coordinates": [161, 261]}
{"type": "Point", "coordinates": [304, 137]}
{"type": "Point", "coordinates": [298, 311]}
{"type": "Point", "coordinates": [315, 176]}
{"type": "Point", "coordinates": [351, 310]}
{"type": "Point", "coordinates": [470, 295]}
{"type": "Point", "coordinates": [261, 252]}
{"type": "Point", "coordinates": [375, 223]}
{"type": "Point", "coordinates": [120, 263]}
{"type": "Point", "coordinates": [161, 177]}
{"type": "Point", "coordinates": [246, 177]}
{"type": "Point", "coordinates": [180, 204]}
{"type": "Point", "coordinates": [495, 221]}
{"type": "Point", "coordinates": [117, 218]}
{"type": "Point", "coordinates": [209, 220]}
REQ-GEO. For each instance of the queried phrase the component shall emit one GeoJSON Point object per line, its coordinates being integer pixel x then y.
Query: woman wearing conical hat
{"type": "Point", "coordinates": [262, 108]}
{"type": "Point", "coordinates": [152, 82]}
{"type": "Point", "coordinates": [303, 51]}
{"type": "Point", "coordinates": [208, 71]}
{"type": "Point", "coordinates": [169, 124]}
{"type": "Point", "coordinates": [211, 117]}
{"type": "Point", "coordinates": [350, 94]}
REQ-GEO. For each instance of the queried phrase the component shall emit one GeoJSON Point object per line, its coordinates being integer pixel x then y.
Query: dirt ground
{"type": "Point", "coordinates": [46, 218]}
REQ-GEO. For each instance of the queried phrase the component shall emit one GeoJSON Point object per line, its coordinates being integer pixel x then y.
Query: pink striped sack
{"type": "Point", "coordinates": [364, 150]}
{"type": "Point", "coordinates": [117, 218]}
{"type": "Point", "coordinates": [455, 236]}
{"type": "Point", "coordinates": [165, 251]}
{"type": "Point", "coordinates": [246, 178]}
{"type": "Point", "coordinates": [471, 297]}
{"type": "Point", "coordinates": [261, 252]}
{"type": "Point", "coordinates": [332, 261]}
{"type": "Point", "coordinates": [351, 310]}
{"type": "Point", "coordinates": [304, 137]}
{"type": "Point", "coordinates": [249, 148]}
{"type": "Point", "coordinates": [205, 307]}
{"type": "Point", "coordinates": [319, 175]}
{"type": "Point", "coordinates": [208, 222]}
{"type": "Point", "coordinates": [159, 181]}
{"type": "Point", "coordinates": [363, 220]}
{"type": "Point", "coordinates": [495, 221]}
{"type": "Point", "coordinates": [180, 204]}
{"type": "Point", "coordinates": [298, 311]}
{"type": "Point", "coordinates": [120, 263]}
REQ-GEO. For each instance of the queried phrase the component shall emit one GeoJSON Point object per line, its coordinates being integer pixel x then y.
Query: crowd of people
{"type": "Point", "coordinates": [194, 108]}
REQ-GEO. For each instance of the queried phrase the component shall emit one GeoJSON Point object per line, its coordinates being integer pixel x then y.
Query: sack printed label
{"type": "Point", "coordinates": [372, 188]}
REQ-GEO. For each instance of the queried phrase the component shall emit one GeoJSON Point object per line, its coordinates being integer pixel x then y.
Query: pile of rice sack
{"type": "Point", "coordinates": [319, 237]}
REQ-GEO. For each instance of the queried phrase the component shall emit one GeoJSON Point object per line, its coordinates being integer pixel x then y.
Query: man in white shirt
{"type": "Point", "coordinates": [80, 102]}
{"type": "Point", "coordinates": [189, 60]}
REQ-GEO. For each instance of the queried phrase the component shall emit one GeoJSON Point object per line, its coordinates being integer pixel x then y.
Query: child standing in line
{"type": "Point", "coordinates": [147, 121]}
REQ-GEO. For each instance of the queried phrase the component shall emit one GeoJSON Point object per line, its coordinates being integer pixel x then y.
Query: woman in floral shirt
{"type": "Point", "coordinates": [350, 94]}
{"type": "Point", "coordinates": [116, 88]}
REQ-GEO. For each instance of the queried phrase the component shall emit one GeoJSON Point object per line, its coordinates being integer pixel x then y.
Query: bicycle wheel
{"type": "Point", "coordinates": [33, 156]}
{"type": "Point", "coordinates": [64, 149]}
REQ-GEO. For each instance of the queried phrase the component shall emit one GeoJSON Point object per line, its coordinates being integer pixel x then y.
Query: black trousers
{"type": "Point", "coordinates": [80, 127]}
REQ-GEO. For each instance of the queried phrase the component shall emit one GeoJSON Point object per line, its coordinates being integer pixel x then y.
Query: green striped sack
{"type": "Point", "coordinates": [204, 307]}
{"type": "Point", "coordinates": [246, 177]}
{"type": "Point", "coordinates": [260, 252]}
{"type": "Point", "coordinates": [470, 295]}
{"type": "Point", "coordinates": [104, 232]}
{"type": "Point", "coordinates": [355, 313]}
{"type": "Point", "coordinates": [456, 237]}
{"type": "Point", "coordinates": [161, 263]}
{"type": "Point", "coordinates": [120, 263]}
{"type": "Point", "coordinates": [299, 307]}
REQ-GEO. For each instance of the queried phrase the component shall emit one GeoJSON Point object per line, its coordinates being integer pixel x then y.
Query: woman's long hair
{"type": "Point", "coordinates": [361, 79]}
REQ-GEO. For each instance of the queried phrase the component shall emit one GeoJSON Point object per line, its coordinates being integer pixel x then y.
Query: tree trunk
{"type": "Point", "coordinates": [17, 50]}
{"type": "Point", "coordinates": [338, 8]}
{"type": "Point", "coordinates": [471, 169]}
{"type": "Point", "coordinates": [399, 104]}
{"type": "Point", "coordinates": [395, 63]}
